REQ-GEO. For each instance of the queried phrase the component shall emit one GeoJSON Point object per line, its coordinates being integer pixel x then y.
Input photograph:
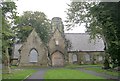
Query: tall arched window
{"type": "Point", "coordinates": [87, 57]}
{"type": "Point", "coordinates": [33, 56]}
{"type": "Point", "coordinates": [74, 58]}
{"type": "Point", "coordinates": [100, 58]}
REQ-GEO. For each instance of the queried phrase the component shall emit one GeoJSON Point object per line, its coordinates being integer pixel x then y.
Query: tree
{"type": "Point", "coordinates": [109, 18]}
{"type": "Point", "coordinates": [102, 20]}
{"type": "Point", "coordinates": [28, 21]}
{"type": "Point", "coordinates": [8, 16]}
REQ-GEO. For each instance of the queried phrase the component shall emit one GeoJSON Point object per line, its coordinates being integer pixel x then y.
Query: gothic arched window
{"type": "Point", "coordinates": [100, 58]}
{"type": "Point", "coordinates": [74, 58]}
{"type": "Point", "coordinates": [87, 57]}
{"type": "Point", "coordinates": [33, 57]}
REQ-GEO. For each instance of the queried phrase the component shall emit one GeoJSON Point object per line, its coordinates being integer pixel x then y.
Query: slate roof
{"type": "Point", "coordinates": [16, 52]}
{"type": "Point", "coordinates": [81, 42]}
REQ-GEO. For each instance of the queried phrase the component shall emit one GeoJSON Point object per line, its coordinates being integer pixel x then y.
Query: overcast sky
{"type": "Point", "coordinates": [52, 8]}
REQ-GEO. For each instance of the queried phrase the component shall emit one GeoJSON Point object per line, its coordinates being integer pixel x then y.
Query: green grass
{"type": "Point", "coordinates": [79, 66]}
{"type": "Point", "coordinates": [13, 67]}
{"type": "Point", "coordinates": [100, 70]}
{"type": "Point", "coordinates": [18, 74]}
{"type": "Point", "coordinates": [96, 68]}
{"type": "Point", "coordinates": [68, 74]}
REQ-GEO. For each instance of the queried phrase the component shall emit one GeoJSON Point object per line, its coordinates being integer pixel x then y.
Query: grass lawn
{"type": "Point", "coordinates": [100, 70]}
{"type": "Point", "coordinates": [79, 66]}
{"type": "Point", "coordinates": [19, 74]}
{"type": "Point", "coordinates": [68, 74]}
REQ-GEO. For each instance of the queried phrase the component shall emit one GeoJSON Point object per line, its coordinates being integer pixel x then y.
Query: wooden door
{"type": "Point", "coordinates": [57, 59]}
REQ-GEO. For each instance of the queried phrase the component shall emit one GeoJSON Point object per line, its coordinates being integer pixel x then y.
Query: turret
{"type": "Point", "coordinates": [57, 24]}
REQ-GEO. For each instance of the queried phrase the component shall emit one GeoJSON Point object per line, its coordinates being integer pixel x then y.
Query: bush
{"type": "Point", "coordinates": [106, 64]}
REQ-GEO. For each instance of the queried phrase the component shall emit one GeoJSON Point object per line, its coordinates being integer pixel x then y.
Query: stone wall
{"type": "Point", "coordinates": [33, 42]}
{"type": "Point", "coordinates": [87, 57]}
{"type": "Point", "coordinates": [57, 43]}
{"type": "Point", "coordinates": [56, 50]}
{"type": "Point", "coordinates": [57, 59]}
{"type": "Point", "coordinates": [56, 37]}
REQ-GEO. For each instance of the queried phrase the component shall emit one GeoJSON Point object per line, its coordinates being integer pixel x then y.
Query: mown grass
{"type": "Point", "coordinates": [100, 70]}
{"type": "Point", "coordinates": [28, 67]}
{"type": "Point", "coordinates": [68, 74]}
{"type": "Point", "coordinates": [80, 66]}
{"type": "Point", "coordinates": [96, 68]}
{"type": "Point", "coordinates": [18, 74]}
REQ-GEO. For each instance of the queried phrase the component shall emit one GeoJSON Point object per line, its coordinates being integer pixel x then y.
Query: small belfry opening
{"type": "Point", "coordinates": [57, 42]}
{"type": "Point", "coordinates": [33, 57]}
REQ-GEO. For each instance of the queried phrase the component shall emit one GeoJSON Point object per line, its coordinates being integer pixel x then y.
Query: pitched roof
{"type": "Point", "coordinates": [32, 34]}
{"type": "Point", "coordinates": [19, 46]}
{"type": "Point", "coordinates": [82, 42]}
{"type": "Point", "coordinates": [16, 52]}
{"type": "Point", "coordinates": [79, 42]}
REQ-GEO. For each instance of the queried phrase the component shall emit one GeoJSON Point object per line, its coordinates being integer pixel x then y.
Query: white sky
{"type": "Point", "coordinates": [51, 8]}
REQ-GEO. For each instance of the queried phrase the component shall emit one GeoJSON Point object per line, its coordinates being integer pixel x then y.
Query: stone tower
{"type": "Point", "coordinates": [57, 50]}
{"type": "Point", "coordinates": [57, 24]}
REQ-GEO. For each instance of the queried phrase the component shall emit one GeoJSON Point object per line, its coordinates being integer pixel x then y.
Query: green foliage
{"type": "Point", "coordinates": [9, 7]}
{"type": "Point", "coordinates": [78, 13]}
{"type": "Point", "coordinates": [23, 32]}
{"type": "Point", "coordinates": [108, 15]}
{"type": "Point", "coordinates": [28, 21]}
{"type": "Point", "coordinates": [102, 20]}
{"type": "Point", "coordinates": [106, 64]}
{"type": "Point", "coordinates": [8, 16]}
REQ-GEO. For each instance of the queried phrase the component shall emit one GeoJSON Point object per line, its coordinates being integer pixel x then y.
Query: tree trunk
{"type": "Point", "coordinates": [106, 56]}
{"type": "Point", "coordinates": [6, 65]}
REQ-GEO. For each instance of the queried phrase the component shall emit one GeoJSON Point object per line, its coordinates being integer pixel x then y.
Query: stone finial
{"type": "Point", "coordinates": [56, 19]}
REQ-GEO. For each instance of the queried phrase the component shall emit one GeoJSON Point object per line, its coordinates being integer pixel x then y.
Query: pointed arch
{"type": "Point", "coordinates": [74, 58]}
{"type": "Point", "coordinates": [87, 57]}
{"type": "Point", "coordinates": [33, 55]}
{"type": "Point", "coordinates": [57, 59]}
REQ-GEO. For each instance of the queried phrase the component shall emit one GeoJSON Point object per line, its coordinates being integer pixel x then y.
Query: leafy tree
{"type": "Point", "coordinates": [102, 20]}
{"type": "Point", "coordinates": [0, 35]}
{"type": "Point", "coordinates": [109, 18]}
{"type": "Point", "coordinates": [28, 21]}
{"type": "Point", "coordinates": [8, 16]}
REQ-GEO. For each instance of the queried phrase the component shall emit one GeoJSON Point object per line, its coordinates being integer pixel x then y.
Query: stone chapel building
{"type": "Point", "coordinates": [62, 48]}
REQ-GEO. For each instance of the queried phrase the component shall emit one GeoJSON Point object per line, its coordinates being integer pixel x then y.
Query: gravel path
{"type": "Point", "coordinates": [38, 76]}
